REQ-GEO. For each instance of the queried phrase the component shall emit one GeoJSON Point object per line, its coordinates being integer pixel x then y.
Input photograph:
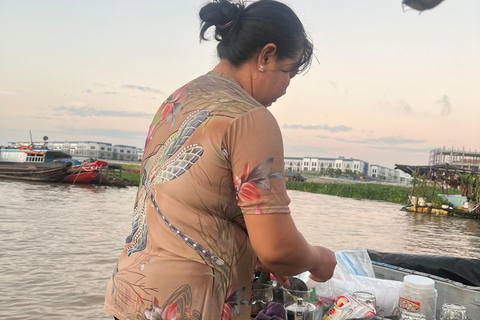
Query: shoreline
{"type": "Point", "coordinates": [361, 190]}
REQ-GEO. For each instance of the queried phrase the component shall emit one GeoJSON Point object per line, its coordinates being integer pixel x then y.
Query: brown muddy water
{"type": "Point", "coordinates": [59, 243]}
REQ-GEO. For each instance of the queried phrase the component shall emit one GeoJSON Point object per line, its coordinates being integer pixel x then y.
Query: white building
{"type": "Point", "coordinates": [140, 154]}
{"type": "Point", "coordinates": [388, 174]}
{"type": "Point", "coordinates": [126, 153]}
{"type": "Point", "coordinates": [84, 149]}
{"type": "Point", "coordinates": [310, 164]}
{"type": "Point", "coordinates": [91, 149]}
{"type": "Point", "coordinates": [293, 164]}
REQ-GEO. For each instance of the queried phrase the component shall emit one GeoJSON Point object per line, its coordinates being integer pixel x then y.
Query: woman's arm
{"type": "Point", "coordinates": [283, 250]}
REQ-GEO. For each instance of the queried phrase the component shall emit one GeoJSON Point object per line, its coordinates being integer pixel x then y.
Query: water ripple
{"type": "Point", "coordinates": [60, 242]}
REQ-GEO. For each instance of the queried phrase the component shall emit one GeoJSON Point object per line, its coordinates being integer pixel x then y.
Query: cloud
{"type": "Point", "coordinates": [109, 133]}
{"type": "Point", "coordinates": [108, 92]}
{"type": "Point", "coordinates": [41, 117]}
{"type": "Point", "coordinates": [87, 91]}
{"type": "Point", "coordinates": [326, 127]}
{"type": "Point", "coordinates": [384, 140]}
{"type": "Point", "coordinates": [91, 112]}
{"type": "Point", "coordinates": [406, 107]}
{"type": "Point", "coordinates": [145, 89]}
{"type": "Point", "coordinates": [446, 105]}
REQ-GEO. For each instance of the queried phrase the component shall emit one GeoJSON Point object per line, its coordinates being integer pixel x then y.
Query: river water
{"type": "Point", "coordinates": [59, 243]}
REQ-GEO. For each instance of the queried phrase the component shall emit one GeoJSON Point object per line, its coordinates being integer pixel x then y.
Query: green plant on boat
{"type": "Point", "coordinates": [421, 185]}
{"type": "Point", "coordinates": [437, 201]}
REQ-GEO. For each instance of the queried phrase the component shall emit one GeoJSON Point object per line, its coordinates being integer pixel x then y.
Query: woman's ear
{"type": "Point", "coordinates": [267, 55]}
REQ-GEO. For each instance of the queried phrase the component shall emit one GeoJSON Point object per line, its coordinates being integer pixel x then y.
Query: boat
{"type": "Point", "coordinates": [457, 280]}
{"type": "Point", "coordinates": [443, 190]}
{"type": "Point", "coordinates": [33, 163]}
{"type": "Point", "coordinates": [83, 172]}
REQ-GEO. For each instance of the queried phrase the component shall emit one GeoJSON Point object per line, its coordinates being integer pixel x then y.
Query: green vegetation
{"type": "Point", "coordinates": [133, 166]}
{"type": "Point", "coordinates": [395, 194]}
{"type": "Point", "coordinates": [133, 178]}
{"type": "Point", "coordinates": [369, 191]}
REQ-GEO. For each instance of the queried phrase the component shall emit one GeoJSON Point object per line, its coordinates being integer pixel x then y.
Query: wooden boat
{"type": "Point", "coordinates": [34, 172]}
{"type": "Point", "coordinates": [33, 164]}
{"type": "Point", "coordinates": [443, 185]}
{"type": "Point", "coordinates": [80, 175]}
{"type": "Point", "coordinates": [457, 280]}
{"type": "Point", "coordinates": [84, 173]}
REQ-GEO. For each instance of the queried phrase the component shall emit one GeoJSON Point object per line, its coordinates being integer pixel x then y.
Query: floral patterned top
{"type": "Point", "coordinates": [212, 154]}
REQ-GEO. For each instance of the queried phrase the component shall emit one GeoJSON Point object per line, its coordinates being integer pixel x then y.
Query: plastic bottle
{"type": "Point", "coordinates": [418, 294]}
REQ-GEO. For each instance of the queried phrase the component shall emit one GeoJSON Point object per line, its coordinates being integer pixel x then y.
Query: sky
{"type": "Point", "coordinates": [386, 86]}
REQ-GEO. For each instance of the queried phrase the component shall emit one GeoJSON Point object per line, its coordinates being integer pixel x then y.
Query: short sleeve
{"type": "Point", "coordinates": [254, 146]}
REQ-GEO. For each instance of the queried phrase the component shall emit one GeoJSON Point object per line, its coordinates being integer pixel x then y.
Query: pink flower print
{"type": "Point", "coordinates": [259, 209]}
{"type": "Point", "coordinates": [169, 109]}
{"type": "Point", "coordinates": [172, 106]}
{"type": "Point", "coordinates": [247, 191]}
{"type": "Point", "coordinates": [227, 312]}
{"type": "Point", "coordinates": [248, 185]}
{"type": "Point", "coordinates": [170, 312]}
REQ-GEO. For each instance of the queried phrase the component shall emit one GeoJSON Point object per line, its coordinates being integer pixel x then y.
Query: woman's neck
{"type": "Point", "coordinates": [241, 75]}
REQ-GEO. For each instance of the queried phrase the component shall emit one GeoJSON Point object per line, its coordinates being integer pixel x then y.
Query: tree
{"type": "Point", "coordinates": [338, 172]}
{"type": "Point", "coordinates": [330, 172]}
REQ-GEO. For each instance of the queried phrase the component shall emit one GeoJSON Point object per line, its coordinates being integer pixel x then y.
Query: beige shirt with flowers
{"type": "Point", "coordinates": [212, 154]}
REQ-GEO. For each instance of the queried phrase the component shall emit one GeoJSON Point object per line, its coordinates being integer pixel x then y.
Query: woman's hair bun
{"type": "Point", "coordinates": [222, 14]}
{"type": "Point", "coordinates": [242, 31]}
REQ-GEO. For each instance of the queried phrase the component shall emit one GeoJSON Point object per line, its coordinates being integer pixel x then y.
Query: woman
{"type": "Point", "coordinates": [212, 195]}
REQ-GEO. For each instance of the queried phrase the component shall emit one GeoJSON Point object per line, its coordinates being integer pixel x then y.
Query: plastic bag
{"type": "Point", "coordinates": [354, 262]}
{"type": "Point", "coordinates": [386, 292]}
{"type": "Point", "coordinates": [354, 272]}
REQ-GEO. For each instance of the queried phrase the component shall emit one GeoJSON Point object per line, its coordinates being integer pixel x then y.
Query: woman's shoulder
{"type": "Point", "coordinates": [219, 95]}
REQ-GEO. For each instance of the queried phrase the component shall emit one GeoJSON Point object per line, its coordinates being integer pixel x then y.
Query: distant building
{"type": "Point", "coordinates": [318, 165]}
{"type": "Point", "coordinates": [140, 154]}
{"type": "Point", "coordinates": [124, 153]}
{"type": "Point", "coordinates": [310, 164]}
{"type": "Point", "coordinates": [462, 158]}
{"type": "Point", "coordinates": [91, 149]}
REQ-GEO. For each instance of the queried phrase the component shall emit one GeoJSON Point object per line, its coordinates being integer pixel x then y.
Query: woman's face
{"type": "Point", "coordinates": [275, 80]}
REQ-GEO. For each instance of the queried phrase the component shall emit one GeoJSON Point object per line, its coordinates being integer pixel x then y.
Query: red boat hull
{"type": "Point", "coordinates": [81, 177]}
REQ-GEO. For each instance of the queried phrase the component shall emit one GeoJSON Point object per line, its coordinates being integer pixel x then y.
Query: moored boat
{"type": "Point", "coordinates": [457, 280]}
{"type": "Point", "coordinates": [33, 163]}
{"type": "Point", "coordinates": [84, 172]}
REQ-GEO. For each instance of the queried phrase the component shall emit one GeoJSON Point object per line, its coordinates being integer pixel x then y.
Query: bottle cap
{"type": "Point", "coordinates": [419, 282]}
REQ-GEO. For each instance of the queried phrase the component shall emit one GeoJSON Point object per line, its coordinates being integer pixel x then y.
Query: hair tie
{"type": "Point", "coordinates": [226, 25]}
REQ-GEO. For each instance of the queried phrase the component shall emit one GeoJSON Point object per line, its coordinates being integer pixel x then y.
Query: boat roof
{"type": "Point", "coordinates": [448, 168]}
{"type": "Point", "coordinates": [56, 153]}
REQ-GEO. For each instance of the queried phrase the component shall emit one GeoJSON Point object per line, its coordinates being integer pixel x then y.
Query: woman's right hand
{"type": "Point", "coordinates": [325, 266]}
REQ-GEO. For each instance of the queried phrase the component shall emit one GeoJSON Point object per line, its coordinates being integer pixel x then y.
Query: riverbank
{"type": "Point", "coordinates": [365, 191]}
{"type": "Point", "coordinates": [322, 185]}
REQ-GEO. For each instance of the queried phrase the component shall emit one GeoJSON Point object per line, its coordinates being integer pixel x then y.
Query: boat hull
{"type": "Point", "coordinates": [80, 176]}
{"type": "Point", "coordinates": [394, 266]}
{"type": "Point", "coordinates": [48, 172]}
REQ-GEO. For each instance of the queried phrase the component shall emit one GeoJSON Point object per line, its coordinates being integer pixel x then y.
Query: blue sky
{"type": "Point", "coordinates": [388, 85]}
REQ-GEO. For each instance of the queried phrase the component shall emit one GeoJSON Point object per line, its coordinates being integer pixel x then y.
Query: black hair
{"type": "Point", "coordinates": [242, 31]}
